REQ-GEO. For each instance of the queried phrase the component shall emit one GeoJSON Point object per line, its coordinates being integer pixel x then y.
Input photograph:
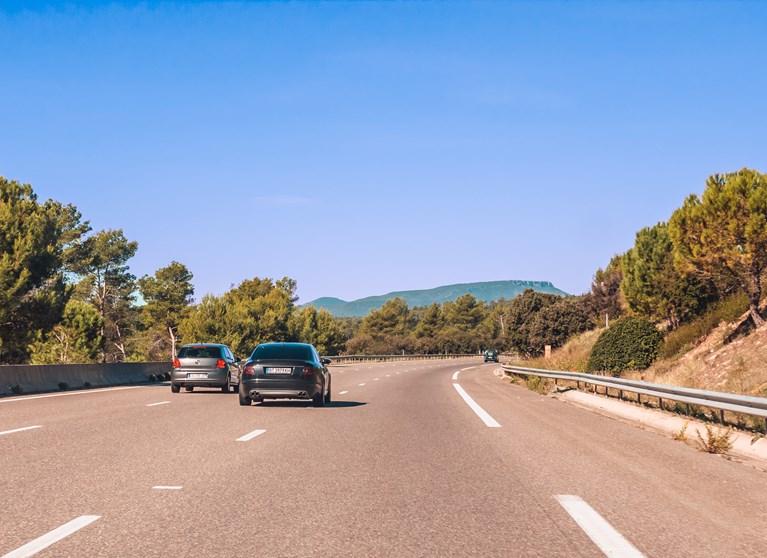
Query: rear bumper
{"type": "Point", "coordinates": [216, 378]}
{"type": "Point", "coordinates": [286, 388]}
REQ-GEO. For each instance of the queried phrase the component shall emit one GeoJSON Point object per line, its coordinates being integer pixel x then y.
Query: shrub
{"type": "Point", "coordinates": [629, 344]}
{"type": "Point", "coordinates": [716, 441]}
{"type": "Point", "coordinates": [687, 336]}
{"type": "Point", "coordinates": [537, 384]}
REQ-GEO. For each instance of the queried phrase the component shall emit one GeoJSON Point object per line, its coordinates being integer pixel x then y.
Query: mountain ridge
{"type": "Point", "coordinates": [487, 291]}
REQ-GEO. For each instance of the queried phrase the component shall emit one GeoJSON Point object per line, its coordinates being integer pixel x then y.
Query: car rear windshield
{"type": "Point", "coordinates": [200, 352]}
{"type": "Point", "coordinates": [282, 352]}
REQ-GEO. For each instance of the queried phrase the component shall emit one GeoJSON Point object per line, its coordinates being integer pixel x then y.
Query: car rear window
{"type": "Point", "coordinates": [280, 352]}
{"type": "Point", "coordinates": [200, 352]}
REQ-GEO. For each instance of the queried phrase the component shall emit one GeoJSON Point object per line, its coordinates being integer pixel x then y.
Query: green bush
{"type": "Point", "coordinates": [629, 344]}
{"type": "Point", "coordinates": [687, 336]}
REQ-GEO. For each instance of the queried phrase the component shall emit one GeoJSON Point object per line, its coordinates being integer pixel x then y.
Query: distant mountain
{"type": "Point", "coordinates": [487, 291]}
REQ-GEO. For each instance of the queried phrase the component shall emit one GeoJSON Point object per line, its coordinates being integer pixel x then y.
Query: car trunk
{"type": "Point", "coordinates": [278, 368]}
{"type": "Point", "coordinates": [191, 363]}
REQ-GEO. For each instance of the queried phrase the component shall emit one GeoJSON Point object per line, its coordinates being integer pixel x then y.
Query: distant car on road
{"type": "Point", "coordinates": [491, 355]}
{"type": "Point", "coordinates": [285, 371]}
{"type": "Point", "coordinates": [205, 365]}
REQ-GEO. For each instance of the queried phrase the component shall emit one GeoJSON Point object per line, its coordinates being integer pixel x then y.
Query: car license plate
{"type": "Point", "coordinates": [196, 376]}
{"type": "Point", "coordinates": [279, 370]}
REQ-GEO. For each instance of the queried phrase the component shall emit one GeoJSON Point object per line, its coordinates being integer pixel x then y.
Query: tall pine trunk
{"type": "Point", "coordinates": [754, 298]}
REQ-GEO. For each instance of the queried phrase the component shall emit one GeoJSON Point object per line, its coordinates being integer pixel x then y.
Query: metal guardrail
{"type": "Point", "coordinates": [342, 359]}
{"type": "Point", "coordinates": [722, 401]}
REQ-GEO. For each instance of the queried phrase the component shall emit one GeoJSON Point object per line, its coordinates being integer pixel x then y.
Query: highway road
{"type": "Point", "coordinates": [412, 459]}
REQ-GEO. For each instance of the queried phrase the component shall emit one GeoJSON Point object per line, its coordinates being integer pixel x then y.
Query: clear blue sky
{"type": "Point", "coordinates": [363, 148]}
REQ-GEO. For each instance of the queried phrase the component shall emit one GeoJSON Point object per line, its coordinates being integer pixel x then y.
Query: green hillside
{"type": "Point", "coordinates": [486, 291]}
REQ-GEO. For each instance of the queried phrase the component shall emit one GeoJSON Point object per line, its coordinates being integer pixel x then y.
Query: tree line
{"type": "Point", "coordinates": [67, 293]}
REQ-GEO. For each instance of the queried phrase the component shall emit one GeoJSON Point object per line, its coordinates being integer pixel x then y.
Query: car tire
{"type": "Point", "coordinates": [319, 400]}
{"type": "Point", "coordinates": [327, 396]}
{"type": "Point", "coordinates": [175, 388]}
{"type": "Point", "coordinates": [227, 387]}
{"type": "Point", "coordinates": [245, 400]}
{"type": "Point", "coordinates": [189, 388]}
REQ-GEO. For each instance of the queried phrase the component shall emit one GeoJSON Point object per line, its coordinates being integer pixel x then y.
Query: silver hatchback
{"type": "Point", "coordinates": [205, 365]}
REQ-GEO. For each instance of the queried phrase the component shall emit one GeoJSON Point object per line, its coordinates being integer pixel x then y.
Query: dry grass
{"type": "Point", "coordinates": [716, 440]}
{"type": "Point", "coordinates": [573, 356]}
{"type": "Point", "coordinates": [738, 367]}
{"type": "Point", "coordinates": [681, 435]}
{"type": "Point", "coordinates": [538, 384]}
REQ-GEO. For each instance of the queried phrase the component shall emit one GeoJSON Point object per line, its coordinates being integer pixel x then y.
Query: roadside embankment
{"type": "Point", "coordinates": [685, 429]}
{"type": "Point", "coordinates": [23, 378]}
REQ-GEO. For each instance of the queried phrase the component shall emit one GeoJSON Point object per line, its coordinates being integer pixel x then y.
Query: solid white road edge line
{"type": "Point", "coordinates": [489, 421]}
{"type": "Point", "coordinates": [158, 403]}
{"type": "Point", "coordinates": [343, 392]}
{"type": "Point", "coordinates": [83, 392]}
{"type": "Point", "coordinates": [167, 487]}
{"type": "Point", "coordinates": [40, 543]}
{"type": "Point", "coordinates": [604, 535]}
{"type": "Point", "coordinates": [20, 429]}
{"type": "Point", "coordinates": [250, 435]}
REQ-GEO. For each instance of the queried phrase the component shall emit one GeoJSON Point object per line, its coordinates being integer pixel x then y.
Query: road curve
{"type": "Point", "coordinates": [401, 464]}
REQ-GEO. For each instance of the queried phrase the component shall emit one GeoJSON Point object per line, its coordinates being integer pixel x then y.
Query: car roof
{"type": "Point", "coordinates": [288, 344]}
{"type": "Point", "coordinates": [203, 345]}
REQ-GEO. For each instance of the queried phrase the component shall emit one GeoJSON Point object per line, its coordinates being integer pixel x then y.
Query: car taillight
{"type": "Point", "coordinates": [249, 370]}
{"type": "Point", "coordinates": [308, 371]}
{"type": "Point", "coordinates": [221, 363]}
{"type": "Point", "coordinates": [176, 363]}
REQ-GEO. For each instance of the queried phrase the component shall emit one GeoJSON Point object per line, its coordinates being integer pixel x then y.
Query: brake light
{"type": "Point", "coordinates": [308, 371]}
{"type": "Point", "coordinates": [221, 363]}
{"type": "Point", "coordinates": [249, 370]}
{"type": "Point", "coordinates": [176, 363]}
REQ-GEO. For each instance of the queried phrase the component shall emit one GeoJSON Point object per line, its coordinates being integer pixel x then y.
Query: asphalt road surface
{"type": "Point", "coordinates": [411, 459]}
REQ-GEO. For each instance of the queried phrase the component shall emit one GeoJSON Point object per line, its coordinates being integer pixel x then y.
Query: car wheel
{"type": "Point", "coordinates": [189, 388]}
{"type": "Point", "coordinates": [327, 396]}
{"type": "Point", "coordinates": [226, 388]}
{"type": "Point", "coordinates": [319, 400]}
{"type": "Point", "coordinates": [175, 388]}
{"type": "Point", "coordinates": [245, 401]}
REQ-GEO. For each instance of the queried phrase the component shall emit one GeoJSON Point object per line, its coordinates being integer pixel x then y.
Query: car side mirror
{"type": "Point", "coordinates": [326, 361]}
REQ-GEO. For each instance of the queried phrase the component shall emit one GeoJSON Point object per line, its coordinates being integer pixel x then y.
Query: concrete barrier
{"type": "Point", "coordinates": [28, 378]}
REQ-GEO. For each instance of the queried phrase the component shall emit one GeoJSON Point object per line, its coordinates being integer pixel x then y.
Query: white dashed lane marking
{"type": "Point", "coordinates": [22, 429]}
{"type": "Point", "coordinates": [604, 535]}
{"type": "Point", "coordinates": [43, 542]}
{"type": "Point", "coordinates": [489, 421]}
{"type": "Point", "coordinates": [250, 435]}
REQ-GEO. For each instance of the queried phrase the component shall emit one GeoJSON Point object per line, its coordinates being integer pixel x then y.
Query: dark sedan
{"type": "Point", "coordinates": [491, 355]}
{"type": "Point", "coordinates": [285, 371]}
